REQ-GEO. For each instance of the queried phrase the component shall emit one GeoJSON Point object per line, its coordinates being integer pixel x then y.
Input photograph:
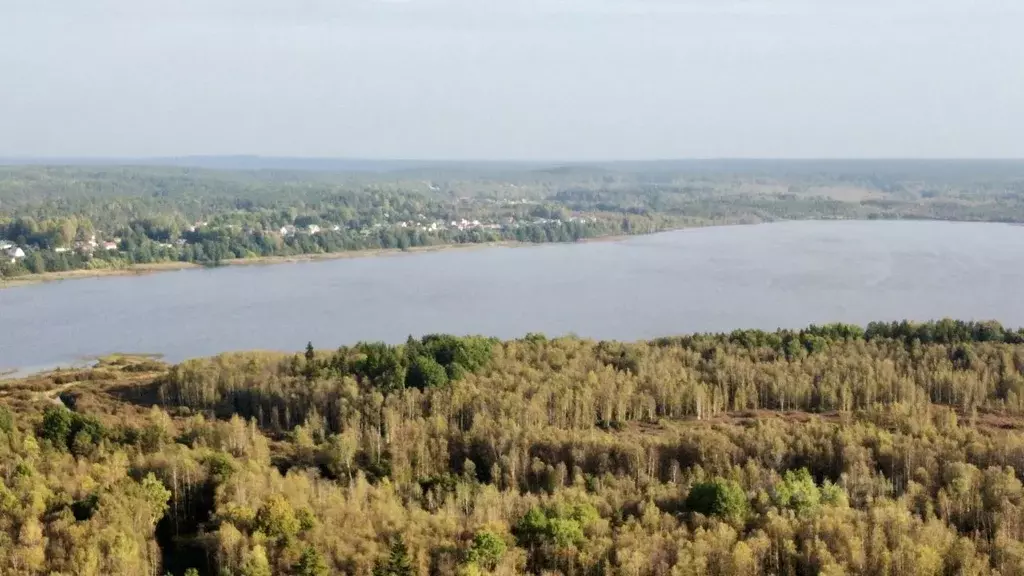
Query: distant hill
{"type": "Point", "coordinates": [998, 169]}
{"type": "Point", "coordinates": [274, 163]}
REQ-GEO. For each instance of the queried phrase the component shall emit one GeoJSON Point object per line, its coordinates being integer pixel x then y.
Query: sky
{"type": "Point", "coordinates": [513, 79]}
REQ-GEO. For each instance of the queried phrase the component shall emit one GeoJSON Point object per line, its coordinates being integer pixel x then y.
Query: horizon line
{"type": "Point", "coordinates": [440, 160]}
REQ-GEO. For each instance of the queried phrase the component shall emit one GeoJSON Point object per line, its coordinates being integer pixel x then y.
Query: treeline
{"type": "Point", "coordinates": [971, 365]}
{"type": "Point", "coordinates": [212, 246]}
{"type": "Point", "coordinates": [62, 217]}
{"type": "Point", "coordinates": [209, 216]}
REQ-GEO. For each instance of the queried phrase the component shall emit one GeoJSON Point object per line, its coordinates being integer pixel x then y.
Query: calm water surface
{"type": "Point", "coordinates": [711, 279]}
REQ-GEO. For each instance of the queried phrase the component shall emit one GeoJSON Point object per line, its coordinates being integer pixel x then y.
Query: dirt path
{"type": "Point", "coordinates": [53, 395]}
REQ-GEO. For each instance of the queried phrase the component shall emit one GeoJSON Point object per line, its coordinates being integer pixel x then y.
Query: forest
{"type": "Point", "coordinates": [895, 448]}
{"type": "Point", "coordinates": [60, 218]}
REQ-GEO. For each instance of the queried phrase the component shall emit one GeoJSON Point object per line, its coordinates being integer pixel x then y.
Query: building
{"type": "Point", "coordinates": [15, 253]}
{"type": "Point", "coordinates": [313, 229]}
{"type": "Point", "coordinates": [110, 246]}
{"type": "Point", "coordinates": [5, 245]}
{"type": "Point", "coordinates": [287, 230]}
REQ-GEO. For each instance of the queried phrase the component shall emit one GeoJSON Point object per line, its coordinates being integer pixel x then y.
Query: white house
{"type": "Point", "coordinates": [5, 245]}
{"type": "Point", "coordinates": [110, 245]}
{"type": "Point", "coordinates": [15, 254]}
{"type": "Point", "coordinates": [287, 230]}
{"type": "Point", "coordinates": [314, 229]}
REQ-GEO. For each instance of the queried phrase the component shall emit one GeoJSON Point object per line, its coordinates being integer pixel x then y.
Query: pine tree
{"type": "Point", "coordinates": [311, 563]}
{"type": "Point", "coordinates": [398, 562]}
{"type": "Point", "coordinates": [310, 369]}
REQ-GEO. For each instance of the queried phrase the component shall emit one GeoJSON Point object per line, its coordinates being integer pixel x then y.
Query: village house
{"type": "Point", "coordinates": [287, 230]}
{"type": "Point", "coordinates": [15, 253]}
{"type": "Point", "coordinates": [110, 246]}
{"type": "Point", "coordinates": [464, 224]}
{"type": "Point", "coordinates": [313, 229]}
{"type": "Point", "coordinates": [5, 245]}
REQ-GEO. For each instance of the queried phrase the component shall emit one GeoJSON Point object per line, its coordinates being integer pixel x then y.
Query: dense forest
{"type": "Point", "coordinates": [891, 449]}
{"type": "Point", "coordinates": [59, 218]}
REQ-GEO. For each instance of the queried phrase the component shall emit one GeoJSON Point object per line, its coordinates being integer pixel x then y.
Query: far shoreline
{"type": "Point", "coordinates": [175, 266]}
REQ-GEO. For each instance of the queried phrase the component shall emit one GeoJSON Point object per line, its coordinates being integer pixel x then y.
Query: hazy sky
{"type": "Point", "coordinates": [513, 79]}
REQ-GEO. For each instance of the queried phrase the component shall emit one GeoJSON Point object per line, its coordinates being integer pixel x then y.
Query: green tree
{"type": "Point", "coordinates": [398, 562]}
{"type": "Point", "coordinates": [277, 519]}
{"type": "Point", "coordinates": [532, 528]}
{"type": "Point", "coordinates": [487, 550]}
{"type": "Point", "coordinates": [797, 491]}
{"type": "Point", "coordinates": [156, 496]}
{"type": "Point", "coordinates": [310, 368]}
{"type": "Point", "coordinates": [35, 263]}
{"type": "Point", "coordinates": [565, 532]}
{"type": "Point", "coordinates": [458, 355]}
{"type": "Point", "coordinates": [311, 563]}
{"type": "Point", "coordinates": [381, 365]}
{"type": "Point", "coordinates": [56, 426]}
{"type": "Point", "coordinates": [425, 372]}
{"type": "Point", "coordinates": [720, 497]}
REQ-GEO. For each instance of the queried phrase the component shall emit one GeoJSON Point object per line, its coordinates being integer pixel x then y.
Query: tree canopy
{"type": "Point", "coordinates": [895, 449]}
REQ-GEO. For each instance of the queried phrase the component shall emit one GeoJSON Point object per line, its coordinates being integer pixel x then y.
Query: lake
{"type": "Point", "coordinates": [710, 279]}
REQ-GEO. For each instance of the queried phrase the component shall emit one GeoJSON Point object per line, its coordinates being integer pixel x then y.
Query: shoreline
{"type": "Point", "coordinates": [137, 270]}
{"type": "Point", "coordinates": [159, 267]}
